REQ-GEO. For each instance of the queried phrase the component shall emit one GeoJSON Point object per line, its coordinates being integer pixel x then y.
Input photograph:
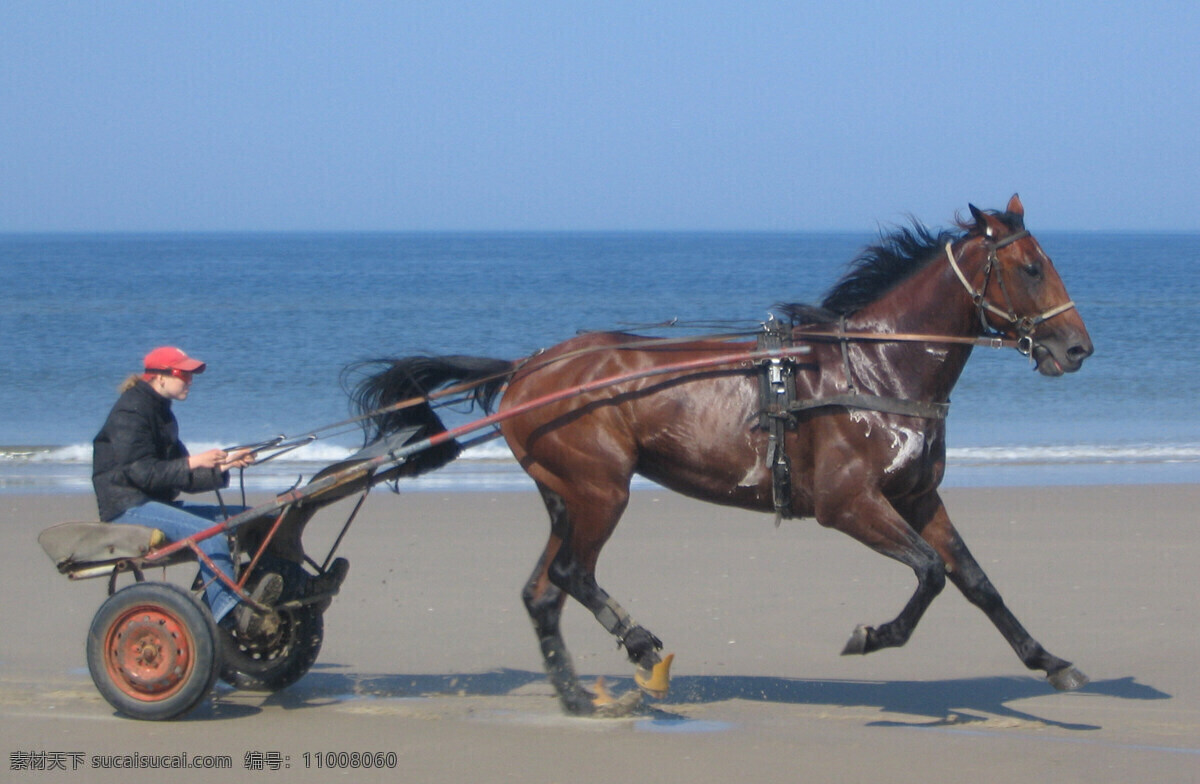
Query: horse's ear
{"type": "Point", "coordinates": [1015, 206]}
{"type": "Point", "coordinates": [986, 224]}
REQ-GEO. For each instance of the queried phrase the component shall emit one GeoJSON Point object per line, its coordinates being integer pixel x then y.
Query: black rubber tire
{"type": "Point", "coordinates": [152, 651]}
{"type": "Point", "coordinates": [282, 660]}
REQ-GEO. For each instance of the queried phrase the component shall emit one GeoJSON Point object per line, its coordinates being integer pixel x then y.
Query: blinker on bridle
{"type": "Point", "coordinates": [1024, 326]}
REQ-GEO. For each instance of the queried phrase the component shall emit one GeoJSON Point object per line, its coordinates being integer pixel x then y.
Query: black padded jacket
{"type": "Point", "coordinates": [137, 456]}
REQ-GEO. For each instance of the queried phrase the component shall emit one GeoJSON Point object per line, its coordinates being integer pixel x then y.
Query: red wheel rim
{"type": "Point", "coordinates": [149, 653]}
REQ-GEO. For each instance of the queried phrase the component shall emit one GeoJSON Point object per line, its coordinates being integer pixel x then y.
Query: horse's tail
{"type": "Point", "coordinates": [378, 397]}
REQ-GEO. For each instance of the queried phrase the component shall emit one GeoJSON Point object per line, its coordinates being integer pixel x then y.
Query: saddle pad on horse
{"type": "Point", "coordinates": [72, 544]}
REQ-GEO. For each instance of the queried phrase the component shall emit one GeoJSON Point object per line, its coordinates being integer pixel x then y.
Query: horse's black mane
{"type": "Point", "coordinates": [880, 266]}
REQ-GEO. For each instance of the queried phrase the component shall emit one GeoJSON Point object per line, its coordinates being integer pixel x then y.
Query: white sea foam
{"type": "Point", "coordinates": [1077, 453]}
{"type": "Point", "coordinates": [496, 451]}
{"type": "Point", "coordinates": [486, 466]}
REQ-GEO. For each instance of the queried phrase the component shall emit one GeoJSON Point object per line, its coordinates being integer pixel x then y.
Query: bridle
{"type": "Point", "coordinates": [1023, 326]}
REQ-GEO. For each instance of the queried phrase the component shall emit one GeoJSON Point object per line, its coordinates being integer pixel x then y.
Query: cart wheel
{"type": "Point", "coordinates": [152, 651]}
{"type": "Point", "coordinates": [283, 658]}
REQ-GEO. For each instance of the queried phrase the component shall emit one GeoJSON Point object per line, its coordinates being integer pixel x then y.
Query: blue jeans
{"type": "Point", "coordinates": [183, 520]}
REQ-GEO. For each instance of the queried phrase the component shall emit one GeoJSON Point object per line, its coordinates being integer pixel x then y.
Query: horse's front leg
{"type": "Point", "coordinates": [969, 577]}
{"type": "Point", "coordinates": [872, 520]}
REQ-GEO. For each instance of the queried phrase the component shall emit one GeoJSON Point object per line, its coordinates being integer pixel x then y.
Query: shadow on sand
{"type": "Point", "coordinates": [960, 701]}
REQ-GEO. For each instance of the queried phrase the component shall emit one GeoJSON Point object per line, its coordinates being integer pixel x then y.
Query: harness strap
{"type": "Point", "coordinates": [977, 295]}
{"type": "Point", "coordinates": [777, 393]}
{"type": "Point", "coordinates": [844, 344]}
{"type": "Point", "coordinates": [885, 405]}
{"type": "Point", "coordinates": [853, 398]}
{"type": "Point", "coordinates": [778, 406]}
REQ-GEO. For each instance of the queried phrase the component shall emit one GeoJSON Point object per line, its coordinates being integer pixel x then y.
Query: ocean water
{"type": "Point", "coordinates": [277, 317]}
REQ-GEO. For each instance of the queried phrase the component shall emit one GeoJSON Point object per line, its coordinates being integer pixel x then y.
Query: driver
{"type": "Point", "coordinates": [140, 467]}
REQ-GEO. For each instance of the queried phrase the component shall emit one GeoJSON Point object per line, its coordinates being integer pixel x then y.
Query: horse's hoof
{"type": "Point", "coordinates": [655, 682]}
{"type": "Point", "coordinates": [1068, 679]}
{"type": "Point", "coordinates": [606, 706]}
{"type": "Point", "coordinates": [603, 695]}
{"type": "Point", "coordinates": [625, 705]}
{"type": "Point", "coordinates": [858, 642]}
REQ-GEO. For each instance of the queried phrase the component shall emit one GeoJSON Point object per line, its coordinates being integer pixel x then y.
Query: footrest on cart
{"type": "Point", "coordinates": [94, 549]}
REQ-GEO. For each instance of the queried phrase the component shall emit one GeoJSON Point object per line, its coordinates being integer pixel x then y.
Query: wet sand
{"type": "Point", "coordinates": [429, 656]}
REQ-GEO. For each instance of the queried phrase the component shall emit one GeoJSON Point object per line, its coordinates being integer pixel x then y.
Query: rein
{"type": "Point", "coordinates": [993, 341]}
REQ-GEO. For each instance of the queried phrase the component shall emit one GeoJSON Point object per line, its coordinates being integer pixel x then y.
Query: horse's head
{"type": "Point", "coordinates": [1017, 291]}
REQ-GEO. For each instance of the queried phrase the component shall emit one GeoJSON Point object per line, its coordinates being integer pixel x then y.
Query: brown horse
{"type": "Point", "coordinates": [865, 448]}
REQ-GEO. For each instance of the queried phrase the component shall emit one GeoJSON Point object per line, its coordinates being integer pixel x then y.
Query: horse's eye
{"type": "Point", "coordinates": [1033, 270]}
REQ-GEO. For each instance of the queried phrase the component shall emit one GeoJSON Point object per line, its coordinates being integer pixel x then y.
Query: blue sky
{"type": "Point", "coordinates": [444, 115]}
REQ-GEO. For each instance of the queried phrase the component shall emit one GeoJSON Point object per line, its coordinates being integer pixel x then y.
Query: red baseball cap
{"type": "Point", "coordinates": [171, 358]}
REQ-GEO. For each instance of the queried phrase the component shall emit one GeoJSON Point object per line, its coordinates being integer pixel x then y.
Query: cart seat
{"type": "Point", "coordinates": [74, 547]}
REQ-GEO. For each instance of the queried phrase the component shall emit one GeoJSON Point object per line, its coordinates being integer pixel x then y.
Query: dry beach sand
{"type": "Point", "coordinates": [429, 655]}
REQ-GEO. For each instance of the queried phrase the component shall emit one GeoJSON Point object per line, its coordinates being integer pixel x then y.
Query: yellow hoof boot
{"type": "Point", "coordinates": [655, 682]}
{"type": "Point", "coordinates": [609, 707]}
{"type": "Point", "coordinates": [603, 695]}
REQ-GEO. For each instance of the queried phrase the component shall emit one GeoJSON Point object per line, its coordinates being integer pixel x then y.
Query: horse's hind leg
{"type": "Point", "coordinates": [969, 577]}
{"type": "Point", "coordinates": [577, 577]}
{"type": "Point", "coordinates": [567, 567]}
{"type": "Point", "coordinates": [544, 602]}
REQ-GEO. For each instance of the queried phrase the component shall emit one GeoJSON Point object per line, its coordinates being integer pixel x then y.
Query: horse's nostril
{"type": "Point", "coordinates": [1078, 352]}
